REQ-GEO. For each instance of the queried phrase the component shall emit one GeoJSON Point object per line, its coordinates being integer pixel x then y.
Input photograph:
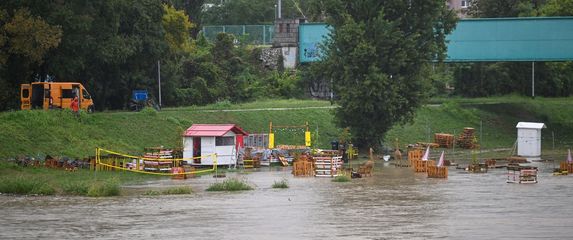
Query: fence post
{"type": "Point", "coordinates": [264, 35]}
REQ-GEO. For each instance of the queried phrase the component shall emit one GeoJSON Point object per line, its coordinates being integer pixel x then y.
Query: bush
{"type": "Point", "coordinates": [43, 189]}
{"type": "Point", "coordinates": [148, 111]}
{"type": "Point", "coordinates": [152, 193]}
{"type": "Point", "coordinates": [232, 184]}
{"type": "Point", "coordinates": [341, 178]}
{"type": "Point", "coordinates": [177, 190]}
{"type": "Point", "coordinates": [104, 189]}
{"type": "Point", "coordinates": [76, 188]}
{"type": "Point", "coordinates": [222, 104]}
{"type": "Point", "coordinates": [21, 185]}
{"type": "Point", "coordinates": [281, 184]}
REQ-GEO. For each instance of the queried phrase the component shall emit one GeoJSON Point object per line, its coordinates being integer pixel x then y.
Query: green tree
{"type": "Point", "coordinates": [193, 9]}
{"type": "Point", "coordinates": [25, 40]}
{"type": "Point", "coordinates": [561, 73]}
{"type": "Point", "coordinates": [558, 8]}
{"type": "Point", "coordinates": [227, 58]}
{"type": "Point", "coordinates": [3, 37]}
{"type": "Point", "coordinates": [240, 12]}
{"type": "Point", "coordinates": [262, 11]}
{"type": "Point", "coordinates": [30, 36]}
{"type": "Point", "coordinates": [486, 79]}
{"type": "Point", "coordinates": [177, 28]}
{"type": "Point", "coordinates": [376, 53]}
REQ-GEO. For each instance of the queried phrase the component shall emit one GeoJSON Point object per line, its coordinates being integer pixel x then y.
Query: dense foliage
{"type": "Point", "coordinates": [261, 11]}
{"type": "Point", "coordinates": [552, 79]}
{"type": "Point", "coordinates": [115, 47]}
{"type": "Point", "coordinates": [377, 56]}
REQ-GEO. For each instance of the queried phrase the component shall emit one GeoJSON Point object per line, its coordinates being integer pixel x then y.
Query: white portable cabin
{"type": "Point", "coordinates": [204, 140]}
{"type": "Point", "coordinates": [529, 139]}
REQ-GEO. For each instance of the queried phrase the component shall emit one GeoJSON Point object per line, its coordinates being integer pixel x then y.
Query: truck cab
{"type": "Point", "coordinates": [54, 95]}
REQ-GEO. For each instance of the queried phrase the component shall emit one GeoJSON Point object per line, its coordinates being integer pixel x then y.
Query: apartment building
{"type": "Point", "coordinates": [460, 6]}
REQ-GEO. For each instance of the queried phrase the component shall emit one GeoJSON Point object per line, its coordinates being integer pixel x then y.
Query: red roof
{"type": "Point", "coordinates": [212, 130]}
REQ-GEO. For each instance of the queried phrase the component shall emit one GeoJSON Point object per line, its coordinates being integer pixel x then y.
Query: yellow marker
{"type": "Point", "coordinates": [271, 140]}
{"type": "Point", "coordinates": [307, 140]}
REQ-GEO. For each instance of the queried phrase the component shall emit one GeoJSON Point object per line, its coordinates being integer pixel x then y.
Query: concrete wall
{"type": "Point", "coordinates": [286, 32]}
{"type": "Point", "coordinates": [286, 38]}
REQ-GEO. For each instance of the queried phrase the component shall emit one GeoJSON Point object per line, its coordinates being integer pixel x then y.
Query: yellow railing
{"type": "Point", "coordinates": [100, 165]}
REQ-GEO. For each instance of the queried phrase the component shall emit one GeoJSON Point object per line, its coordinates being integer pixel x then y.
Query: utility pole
{"type": "Point", "coordinates": [532, 79]}
{"type": "Point", "coordinates": [280, 9]}
{"type": "Point", "coordinates": [159, 79]}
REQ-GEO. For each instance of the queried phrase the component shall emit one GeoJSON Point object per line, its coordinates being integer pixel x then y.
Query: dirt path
{"type": "Point", "coordinates": [265, 109]}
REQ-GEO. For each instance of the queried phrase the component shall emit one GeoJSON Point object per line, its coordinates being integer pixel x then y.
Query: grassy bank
{"type": "Point", "coordinates": [43, 181]}
{"type": "Point", "coordinates": [37, 133]}
{"type": "Point", "coordinates": [494, 120]}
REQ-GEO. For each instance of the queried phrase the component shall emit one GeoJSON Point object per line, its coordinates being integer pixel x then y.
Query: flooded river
{"type": "Point", "coordinates": [393, 204]}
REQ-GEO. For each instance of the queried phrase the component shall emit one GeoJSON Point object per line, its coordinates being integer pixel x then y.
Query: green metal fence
{"type": "Point", "coordinates": [253, 34]}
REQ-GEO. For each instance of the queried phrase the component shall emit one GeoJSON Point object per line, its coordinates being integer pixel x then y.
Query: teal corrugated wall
{"type": "Point", "coordinates": [475, 40]}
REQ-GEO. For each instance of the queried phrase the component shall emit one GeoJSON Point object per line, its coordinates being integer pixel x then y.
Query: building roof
{"type": "Point", "coordinates": [530, 125]}
{"type": "Point", "coordinates": [212, 130]}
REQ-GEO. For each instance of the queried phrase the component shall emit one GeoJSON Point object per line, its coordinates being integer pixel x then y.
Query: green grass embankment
{"type": "Point", "coordinates": [44, 181]}
{"type": "Point", "coordinates": [494, 119]}
{"type": "Point", "coordinates": [59, 133]}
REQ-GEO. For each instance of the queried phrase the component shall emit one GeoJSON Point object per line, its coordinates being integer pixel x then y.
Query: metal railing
{"type": "Point", "coordinates": [252, 34]}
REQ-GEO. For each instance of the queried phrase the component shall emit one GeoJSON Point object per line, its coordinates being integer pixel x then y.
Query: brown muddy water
{"type": "Point", "coordinates": [393, 204]}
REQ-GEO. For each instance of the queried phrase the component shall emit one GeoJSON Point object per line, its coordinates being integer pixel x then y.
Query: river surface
{"type": "Point", "coordinates": [393, 204]}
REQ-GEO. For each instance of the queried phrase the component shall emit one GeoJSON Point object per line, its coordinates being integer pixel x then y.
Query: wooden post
{"type": "Point", "coordinates": [371, 154]}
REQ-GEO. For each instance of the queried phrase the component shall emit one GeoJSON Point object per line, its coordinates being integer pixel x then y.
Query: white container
{"type": "Point", "coordinates": [529, 139]}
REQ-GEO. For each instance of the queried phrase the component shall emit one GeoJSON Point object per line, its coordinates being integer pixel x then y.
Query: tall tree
{"type": "Point", "coordinates": [29, 36]}
{"type": "Point", "coordinates": [263, 11]}
{"type": "Point", "coordinates": [25, 40]}
{"type": "Point", "coordinates": [177, 28]}
{"type": "Point", "coordinates": [558, 8]}
{"type": "Point", "coordinates": [193, 9]}
{"type": "Point", "coordinates": [376, 53]}
{"type": "Point", "coordinates": [486, 79]}
{"type": "Point", "coordinates": [506, 8]}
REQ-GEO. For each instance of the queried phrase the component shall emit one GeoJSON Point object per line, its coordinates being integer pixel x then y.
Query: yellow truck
{"type": "Point", "coordinates": [54, 95]}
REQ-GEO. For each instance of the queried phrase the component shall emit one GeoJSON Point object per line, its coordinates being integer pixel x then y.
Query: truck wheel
{"type": "Point", "coordinates": [91, 109]}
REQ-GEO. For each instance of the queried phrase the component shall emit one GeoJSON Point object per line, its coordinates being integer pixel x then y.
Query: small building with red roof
{"type": "Point", "coordinates": [202, 141]}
